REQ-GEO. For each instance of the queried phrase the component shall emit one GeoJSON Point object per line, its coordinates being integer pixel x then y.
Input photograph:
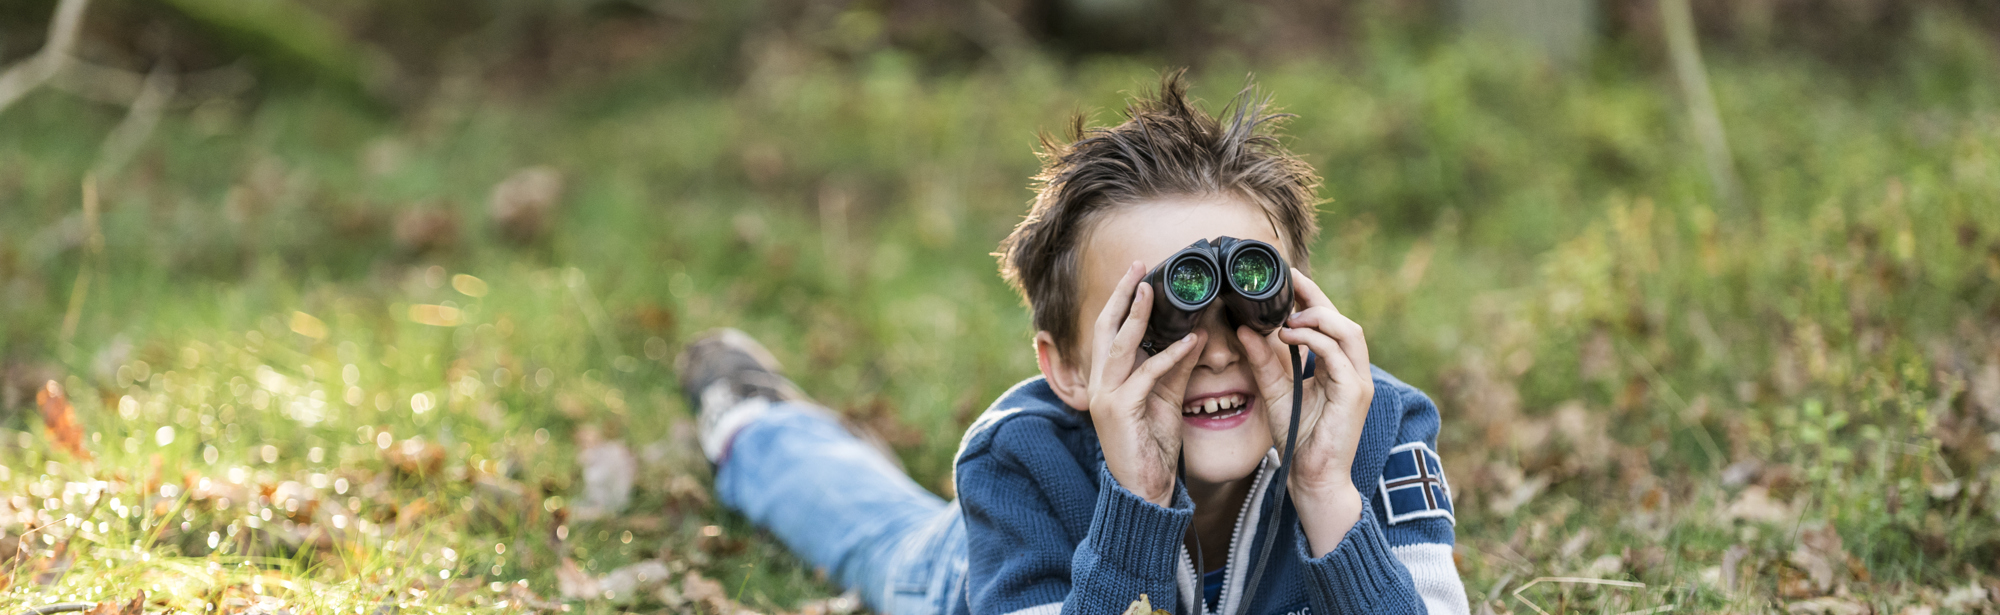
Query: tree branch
{"type": "Point", "coordinates": [23, 77]}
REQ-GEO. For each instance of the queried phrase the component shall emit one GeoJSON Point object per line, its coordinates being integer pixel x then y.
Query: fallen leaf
{"type": "Point", "coordinates": [415, 458]}
{"type": "Point", "coordinates": [1575, 545]}
{"type": "Point", "coordinates": [1520, 495]}
{"type": "Point", "coordinates": [60, 419]}
{"type": "Point", "coordinates": [627, 582]}
{"type": "Point", "coordinates": [1732, 566]}
{"type": "Point", "coordinates": [1829, 605]}
{"type": "Point", "coordinates": [1755, 504]}
{"type": "Point", "coordinates": [710, 595]}
{"type": "Point", "coordinates": [523, 204]}
{"type": "Point", "coordinates": [426, 229]}
{"type": "Point", "coordinates": [308, 325]}
{"type": "Point", "coordinates": [575, 584]}
{"type": "Point", "coordinates": [608, 472]}
{"type": "Point", "coordinates": [1966, 599]}
{"type": "Point", "coordinates": [1142, 606]}
{"type": "Point", "coordinates": [1741, 473]}
{"type": "Point", "coordinates": [844, 604]}
{"type": "Point", "coordinates": [1820, 555]}
{"type": "Point", "coordinates": [1602, 567]}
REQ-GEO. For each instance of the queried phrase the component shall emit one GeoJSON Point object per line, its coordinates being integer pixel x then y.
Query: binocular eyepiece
{"type": "Point", "coordinates": [1248, 276]}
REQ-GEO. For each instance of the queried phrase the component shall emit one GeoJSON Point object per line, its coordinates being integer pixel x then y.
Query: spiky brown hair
{"type": "Point", "coordinates": [1165, 147]}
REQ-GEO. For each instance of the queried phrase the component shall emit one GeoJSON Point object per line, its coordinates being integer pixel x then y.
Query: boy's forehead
{"type": "Point", "coordinates": [1151, 231]}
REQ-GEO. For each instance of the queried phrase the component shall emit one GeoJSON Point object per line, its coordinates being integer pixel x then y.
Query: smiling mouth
{"type": "Point", "coordinates": [1216, 407]}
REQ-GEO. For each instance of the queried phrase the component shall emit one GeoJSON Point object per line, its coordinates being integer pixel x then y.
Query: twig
{"type": "Point", "coordinates": [117, 86]}
{"type": "Point", "coordinates": [60, 607]}
{"type": "Point", "coordinates": [1685, 52]}
{"type": "Point", "coordinates": [82, 522]}
{"type": "Point", "coordinates": [93, 250]}
{"type": "Point", "coordinates": [1708, 446]}
{"type": "Point", "coordinates": [144, 114]}
{"type": "Point", "coordinates": [593, 312]}
{"type": "Point", "coordinates": [1586, 581]}
{"type": "Point", "coordinates": [23, 77]}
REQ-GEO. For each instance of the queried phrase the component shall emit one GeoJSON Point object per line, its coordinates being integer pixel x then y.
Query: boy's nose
{"type": "Point", "coordinates": [1220, 352]}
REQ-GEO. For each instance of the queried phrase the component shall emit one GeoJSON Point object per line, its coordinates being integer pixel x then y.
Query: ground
{"type": "Point", "coordinates": [314, 357]}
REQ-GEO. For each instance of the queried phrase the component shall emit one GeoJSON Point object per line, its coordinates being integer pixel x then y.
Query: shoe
{"type": "Point", "coordinates": [730, 380]}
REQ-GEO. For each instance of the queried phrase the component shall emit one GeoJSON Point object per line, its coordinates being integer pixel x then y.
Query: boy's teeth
{"type": "Point", "coordinates": [1214, 404]}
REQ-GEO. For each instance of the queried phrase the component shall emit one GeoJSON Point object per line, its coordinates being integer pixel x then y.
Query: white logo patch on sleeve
{"type": "Point", "coordinates": [1413, 485]}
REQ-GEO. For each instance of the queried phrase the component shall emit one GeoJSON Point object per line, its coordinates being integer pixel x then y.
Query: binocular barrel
{"type": "Point", "coordinates": [1248, 277]}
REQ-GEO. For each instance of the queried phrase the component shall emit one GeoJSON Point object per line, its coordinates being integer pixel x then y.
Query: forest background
{"type": "Point", "coordinates": [315, 306]}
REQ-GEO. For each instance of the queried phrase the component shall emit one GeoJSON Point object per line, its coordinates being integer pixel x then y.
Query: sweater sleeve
{"type": "Point", "coordinates": [1024, 559]}
{"type": "Point", "coordinates": [1360, 576]}
{"type": "Point", "coordinates": [1422, 543]}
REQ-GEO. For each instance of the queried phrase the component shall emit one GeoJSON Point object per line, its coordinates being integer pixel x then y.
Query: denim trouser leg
{"type": "Point", "coordinates": [836, 503]}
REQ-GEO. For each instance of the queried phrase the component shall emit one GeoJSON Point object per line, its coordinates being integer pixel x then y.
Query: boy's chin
{"type": "Point", "coordinates": [1233, 463]}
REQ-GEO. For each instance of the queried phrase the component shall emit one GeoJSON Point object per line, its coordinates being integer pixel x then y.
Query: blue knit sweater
{"type": "Point", "coordinates": [1051, 532]}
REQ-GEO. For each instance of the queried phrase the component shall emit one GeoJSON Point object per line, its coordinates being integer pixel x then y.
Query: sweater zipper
{"type": "Point", "coordinates": [1231, 572]}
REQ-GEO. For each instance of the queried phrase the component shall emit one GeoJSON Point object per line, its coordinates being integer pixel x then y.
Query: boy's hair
{"type": "Point", "coordinates": [1166, 147]}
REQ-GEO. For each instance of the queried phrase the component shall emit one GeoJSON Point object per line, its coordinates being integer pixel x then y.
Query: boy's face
{"type": "Point", "coordinates": [1220, 446]}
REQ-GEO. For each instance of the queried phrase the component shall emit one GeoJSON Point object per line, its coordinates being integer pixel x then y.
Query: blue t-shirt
{"type": "Point", "coordinates": [1211, 588]}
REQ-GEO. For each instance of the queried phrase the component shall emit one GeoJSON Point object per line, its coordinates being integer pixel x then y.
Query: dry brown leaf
{"type": "Point", "coordinates": [523, 204]}
{"type": "Point", "coordinates": [575, 584]}
{"type": "Point", "coordinates": [1575, 545]}
{"type": "Point", "coordinates": [426, 229]}
{"type": "Point", "coordinates": [1143, 606]}
{"type": "Point", "coordinates": [1590, 445]}
{"type": "Point", "coordinates": [136, 606]}
{"type": "Point", "coordinates": [1968, 599]}
{"type": "Point", "coordinates": [608, 472]}
{"type": "Point", "coordinates": [60, 419]}
{"type": "Point", "coordinates": [709, 595]}
{"type": "Point", "coordinates": [629, 582]}
{"type": "Point", "coordinates": [1732, 567]}
{"type": "Point", "coordinates": [1829, 605]}
{"type": "Point", "coordinates": [1820, 555]}
{"type": "Point", "coordinates": [1755, 504]}
{"type": "Point", "coordinates": [844, 604]}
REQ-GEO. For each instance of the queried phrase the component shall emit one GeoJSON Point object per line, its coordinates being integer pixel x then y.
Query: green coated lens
{"type": "Point", "coordinates": [1254, 272]}
{"type": "Point", "coordinates": [1190, 281]}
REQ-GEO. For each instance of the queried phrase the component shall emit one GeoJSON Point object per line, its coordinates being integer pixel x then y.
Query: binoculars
{"type": "Point", "coordinates": [1246, 275]}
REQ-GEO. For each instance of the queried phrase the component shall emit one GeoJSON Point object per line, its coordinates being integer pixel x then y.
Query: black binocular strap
{"type": "Point", "coordinates": [1299, 372]}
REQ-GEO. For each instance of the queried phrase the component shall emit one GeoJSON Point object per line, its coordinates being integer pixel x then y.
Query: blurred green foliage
{"type": "Point", "coordinates": [1633, 383]}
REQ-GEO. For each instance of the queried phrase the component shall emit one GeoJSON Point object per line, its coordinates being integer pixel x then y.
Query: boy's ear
{"type": "Point", "coordinates": [1067, 378]}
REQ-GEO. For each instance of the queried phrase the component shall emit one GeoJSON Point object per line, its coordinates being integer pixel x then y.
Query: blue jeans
{"type": "Point", "coordinates": [838, 504]}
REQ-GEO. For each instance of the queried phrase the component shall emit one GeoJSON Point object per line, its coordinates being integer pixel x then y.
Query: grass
{"type": "Point", "coordinates": [310, 373]}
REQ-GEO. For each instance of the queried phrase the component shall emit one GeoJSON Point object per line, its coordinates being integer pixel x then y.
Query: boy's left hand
{"type": "Point", "coordinates": [1334, 411]}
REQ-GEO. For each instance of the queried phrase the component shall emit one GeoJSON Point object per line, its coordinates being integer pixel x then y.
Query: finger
{"type": "Point", "coordinates": [1106, 326]}
{"type": "Point", "coordinates": [1307, 293]}
{"type": "Point", "coordinates": [1120, 357]}
{"type": "Point", "coordinates": [1271, 367]}
{"type": "Point", "coordinates": [1156, 367]}
{"type": "Point", "coordinates": [1338, 326]}
{"type": "Point", "coordinates": [1333, 363]}
{"type": "Point", "coordinates": [1176, 377]}
{"type": "Point", "coordinates": [1133, 329]}
{"type": "Point", "coordinates": [1120, 302]}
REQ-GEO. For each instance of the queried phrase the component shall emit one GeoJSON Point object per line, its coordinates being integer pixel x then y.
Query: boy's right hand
{"type": "Point", "coordinates": [1135, 401]}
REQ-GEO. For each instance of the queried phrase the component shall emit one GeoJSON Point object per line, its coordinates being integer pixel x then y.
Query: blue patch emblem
{"type": "Point", "coordinates": [1413, 485]}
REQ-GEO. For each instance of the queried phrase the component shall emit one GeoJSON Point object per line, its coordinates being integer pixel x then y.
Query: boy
{"type": "Point", "coordinates": [1116, 473]}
